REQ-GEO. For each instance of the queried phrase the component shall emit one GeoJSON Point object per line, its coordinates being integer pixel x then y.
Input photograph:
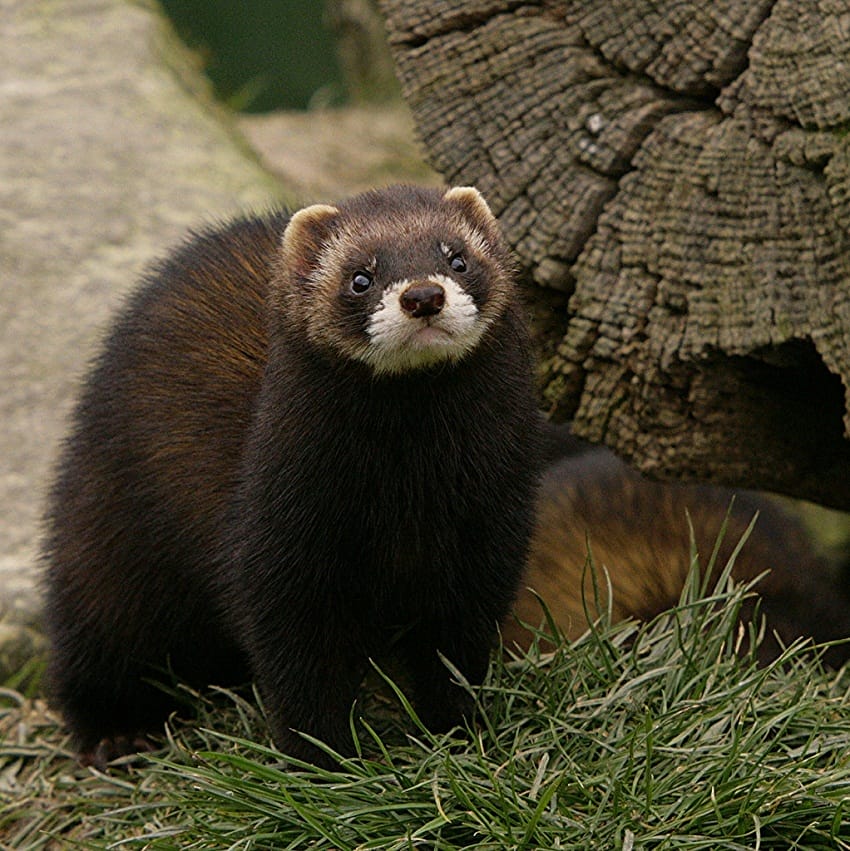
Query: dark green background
{"type": "Point", "coordinates": [262, 54]}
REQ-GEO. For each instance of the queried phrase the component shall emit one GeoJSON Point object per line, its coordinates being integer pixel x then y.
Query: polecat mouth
{"type": "Point", "coordinates": [400, 341]}
{"type": "Point", "coordinates": [431, 335]}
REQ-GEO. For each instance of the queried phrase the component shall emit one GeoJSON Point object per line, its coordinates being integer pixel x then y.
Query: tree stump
{"type": "Point", "coordinates": [682, 171]}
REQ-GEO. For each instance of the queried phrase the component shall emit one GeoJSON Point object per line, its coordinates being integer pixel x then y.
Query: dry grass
{"type": "Point", "coordinates": [661, 736]}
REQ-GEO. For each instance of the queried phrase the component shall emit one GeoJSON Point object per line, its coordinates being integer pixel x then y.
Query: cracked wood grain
{"type": "Point", "coordinates": [682, 170]}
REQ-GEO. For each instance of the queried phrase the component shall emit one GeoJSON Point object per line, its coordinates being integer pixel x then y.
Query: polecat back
{"type": "Point", "coordinates": [637, 530]}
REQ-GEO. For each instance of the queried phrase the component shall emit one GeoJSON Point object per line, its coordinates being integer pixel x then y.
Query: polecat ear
{"type": "Point", "coordinates": [473, 206]}
{"type": "Point", "coordinates": [306, 233]}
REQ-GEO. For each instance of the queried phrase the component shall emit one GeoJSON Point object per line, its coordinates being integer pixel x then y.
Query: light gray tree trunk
{"type": "Point", "coordinates": [109, 150]}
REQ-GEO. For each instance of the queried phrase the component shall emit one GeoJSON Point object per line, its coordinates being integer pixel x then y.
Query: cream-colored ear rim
{"type": "Point", "coordinates": [472, 202]}
{"type": "Point", "coordinates": [305, 235]}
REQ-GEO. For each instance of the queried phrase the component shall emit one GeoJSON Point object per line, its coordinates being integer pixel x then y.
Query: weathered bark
{"type": "Point", "coordinates": [681, 168]}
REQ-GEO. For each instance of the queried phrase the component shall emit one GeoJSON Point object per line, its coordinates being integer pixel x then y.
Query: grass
{"type": "Point", "coordinates": [665, 735]}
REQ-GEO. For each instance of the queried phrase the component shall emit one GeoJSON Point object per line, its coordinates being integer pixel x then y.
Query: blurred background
{"type": "Point", "coordinates": [264, 55]}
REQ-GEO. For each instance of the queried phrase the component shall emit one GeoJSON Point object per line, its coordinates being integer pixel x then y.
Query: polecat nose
{"type": "Point", "coordinates": [423, 299]}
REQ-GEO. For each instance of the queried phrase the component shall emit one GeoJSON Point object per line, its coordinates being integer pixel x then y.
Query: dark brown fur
{"type": "Point", "coordinates": [238, 497]}
{"type": "Point", "coordinates": [637, 530]}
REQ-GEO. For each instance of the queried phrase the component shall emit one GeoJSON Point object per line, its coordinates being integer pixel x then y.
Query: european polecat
{"type": "Point", "coordinates": [306, 439]}
{"type": "Point", "coordinates": [637, 530]}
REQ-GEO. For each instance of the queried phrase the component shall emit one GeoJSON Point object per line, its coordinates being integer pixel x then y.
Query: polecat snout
{"type": "Point", "coordinates": [638, 532]}
{"type": "Point", "coordinates": [305, 440]}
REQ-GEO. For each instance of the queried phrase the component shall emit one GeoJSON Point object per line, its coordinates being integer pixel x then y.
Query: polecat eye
{"type": "Point", "coordinates": [361, 282]}
{"type": "Point", "coordinates": [457, 262]}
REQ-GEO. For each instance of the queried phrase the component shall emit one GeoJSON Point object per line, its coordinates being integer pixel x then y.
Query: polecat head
{"type": "Point", "coordinates": [399, 279]}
